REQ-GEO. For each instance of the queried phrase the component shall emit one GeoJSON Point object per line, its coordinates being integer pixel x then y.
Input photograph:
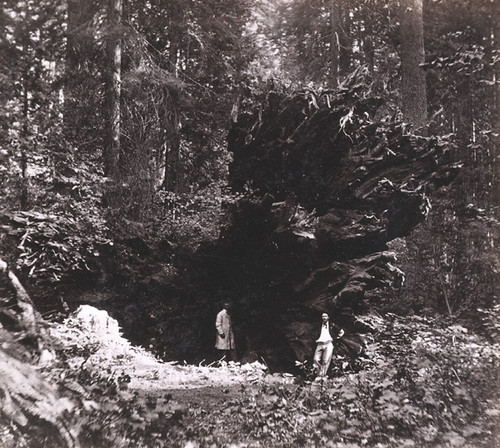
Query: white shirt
{"type": "Point", "coordinates": [325, 334]}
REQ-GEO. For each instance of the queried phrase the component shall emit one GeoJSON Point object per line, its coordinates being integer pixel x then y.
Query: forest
{"type": "Point", "coordinates": [159, 158]}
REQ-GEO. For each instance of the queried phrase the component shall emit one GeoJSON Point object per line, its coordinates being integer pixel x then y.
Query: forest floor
{"type": "Point", "coordinates": [419, 385]}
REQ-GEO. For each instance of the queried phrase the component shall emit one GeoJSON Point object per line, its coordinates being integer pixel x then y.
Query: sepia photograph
{"type": "Point", "coordinates": [249, 224]}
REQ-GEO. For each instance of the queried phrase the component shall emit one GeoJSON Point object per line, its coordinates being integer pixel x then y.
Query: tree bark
{"type": "Point", "coordinates": [335, 18]}
{"type": "Point", "coordinates": [71, 63]}
{"type": "Point", "coordinates": [345, 41]}
{"type": "Point", "coordinates": [24, 144]}
{"type": "Point", "coordinates": [79, 14]}
{"type": "Point", "coordinates": [368, 47]}
{"type": "Point", "coordinates": [463, 115]}
{"type": "Point", "coordinates": [412, 54]}
{"type": "Point", "coordinates": [495, 157]}
{"type": "Point", "coordinates": [173, 178]}
{"type": "Point", "coordinates": [172, 164]}
{"type": "Point", "coordinates": [111, 154]}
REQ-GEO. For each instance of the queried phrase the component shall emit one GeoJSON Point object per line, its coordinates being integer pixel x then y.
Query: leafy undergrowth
{"type": "Point", "coordinates": [423, 383]}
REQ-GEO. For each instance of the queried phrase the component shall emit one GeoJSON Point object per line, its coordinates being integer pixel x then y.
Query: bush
{"type": "Point", "coordinates": [47, 247]}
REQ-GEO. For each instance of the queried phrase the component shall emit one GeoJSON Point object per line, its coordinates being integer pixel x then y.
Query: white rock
{"type": "Point", "coordinates": [96, 321]}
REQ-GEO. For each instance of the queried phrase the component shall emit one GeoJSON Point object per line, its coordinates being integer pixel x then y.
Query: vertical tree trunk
{"type": "Point", "coordinates": [412, 54]}
{"type": "Point", "coordinates": [173, 165]}
{"type": "Point", "coordinates": [496, 87]}
{"type": "Point", "coordinates": [345, 41]}
{"type": "Point", "coordinates": [463, 114]}
{"type": "Point", "coordinates": [173, 178]}
{"type": "Point", "coordinates": [335, 18]}
{"type": "Point", "coordinates": [368, 47]}
{"type": "Point", "coordinates": [113, 91]}
{"type": "Point", "coordinates": [24, 145]}
{"type": "Point", "coordinates": [71, 64]}
{"type": "Point", "coordinates": [75, 18]}
{"type": "Point", "coordinates": [79, 12]}
{"type": "Point", "coordinates": [495, 147]}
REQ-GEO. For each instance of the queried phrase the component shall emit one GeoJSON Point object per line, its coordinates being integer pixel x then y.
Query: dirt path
{"type": "Point", "coordinates": [93, 330]}
{"type": "Point", "coordinates": [159, 404]}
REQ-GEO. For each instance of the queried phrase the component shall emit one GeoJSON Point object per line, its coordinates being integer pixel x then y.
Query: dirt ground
{"type": "Point", "coordinates": [166, 404]}
{"type": "Point", "coordinates": [140, 371]}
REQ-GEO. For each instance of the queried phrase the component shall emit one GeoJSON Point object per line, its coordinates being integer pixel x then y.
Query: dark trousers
{"type": "Point", "coordinates": [229, 354]}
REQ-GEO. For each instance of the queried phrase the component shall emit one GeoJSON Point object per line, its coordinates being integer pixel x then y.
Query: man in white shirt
{"type": "Point", "coordinates": [324, 349]}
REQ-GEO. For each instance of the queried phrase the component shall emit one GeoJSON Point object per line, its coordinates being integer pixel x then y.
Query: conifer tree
{"type": "Point", "coordinates": [412, 53]}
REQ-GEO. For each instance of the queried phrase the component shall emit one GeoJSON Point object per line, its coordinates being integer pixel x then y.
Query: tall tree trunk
{"type": "Point", "coordinates": [345, 41]}
{"type": "Point", "coordinates": [463, 116]}
{"type": "Point", "coordinates": [24, 144]}
{"type": "Point", "coordinates": [495, 148]}
{"type": "Point", "coordinates": [111, 154]}
{"type": "Point", "coordinates": [368, 47]}
{"type": "Point", "coordinates": [172, 181]}
{"type": "Point", "coordinates": [79, 13]}
{"type": "Point", "coordinates": [412, 54]}
{"type": "Point", "coordinates": [71, 65]}
{"type": "Point", "coordinates": [335, 30]}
